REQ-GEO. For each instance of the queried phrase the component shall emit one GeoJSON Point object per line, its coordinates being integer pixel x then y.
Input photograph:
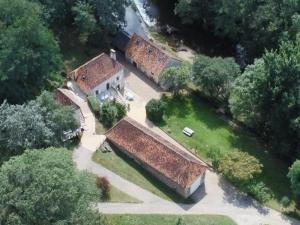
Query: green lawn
{"type": "Point", "coordinates": [128, 169]}
{"type": "Point", "coordinates": [117, 195]}
{"type": "Point", "coordinates": [169, 220]}
{"type": "Point", "coordinates": [212, 131]}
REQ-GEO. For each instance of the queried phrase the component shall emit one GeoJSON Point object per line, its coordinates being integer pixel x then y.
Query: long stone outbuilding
{"type": "Point", "coordinates": [169, 164]}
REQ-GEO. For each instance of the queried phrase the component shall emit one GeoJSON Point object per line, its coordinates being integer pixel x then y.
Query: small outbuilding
{"type": "Point", "coordinates": [148, 57]}
{"type": "Point", "coordinates": [174, 167]}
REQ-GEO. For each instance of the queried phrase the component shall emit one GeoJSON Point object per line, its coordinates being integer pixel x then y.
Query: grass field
{"type": "Point", "coordinates": [128, 169]}
{"type": "Point", "coordinates": [212, 131]}
{"type": "Point", "coordinates": [169, 220]}
{"type": "Point", "coordinates": [116, 195]}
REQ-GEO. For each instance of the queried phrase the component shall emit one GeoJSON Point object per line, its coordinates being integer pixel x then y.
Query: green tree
{"type": "Point", "coordinates": [29, 54]}
{"type": "Point", "coordinates": [294, 176]}
{"type": "Point", "coordinates": [266, 98]}
{"type": "Point", "coordinates": [84, 19]}
{"type": "Point", "coordinates": [111, 112]}
{"type": "Point", "coordinates": [245, 100]}
{"type": "Point", "coordinates": [155, 110]}
{"type": "Point", "coordinates": [194, 11]}
{"type": "Point", "coordinates": [110, 14]}
{"type": "Point", "coordinates": [239, 167]}
{"type": "Point", "coordinates": [37, 124]}
{"type": "Point", "coordinates": [215, 76]}
{"type": "Point", "coordinates": [176, 78]}
{"type": "Point", "coordinates": [43, 187]}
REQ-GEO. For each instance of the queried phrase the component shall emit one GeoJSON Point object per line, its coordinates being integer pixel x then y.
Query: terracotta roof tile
{"type": "Point", "coordinates": [156, 152]}
{"type": "Point", "coordinates": [146, 54]}
{"type": "Point", "coordinates": [95, 71]}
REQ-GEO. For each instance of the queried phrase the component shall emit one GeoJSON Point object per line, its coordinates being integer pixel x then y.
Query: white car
{"type": "Point", "coordinates": [188, 131]}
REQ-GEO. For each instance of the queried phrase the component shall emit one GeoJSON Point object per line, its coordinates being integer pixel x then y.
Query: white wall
{"type": "Point", "coordinates": [112, 81]}
{"type": "Point", "coordinates": [196, 184]}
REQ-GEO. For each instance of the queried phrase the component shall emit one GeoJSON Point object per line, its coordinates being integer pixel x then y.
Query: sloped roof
{"type": "Point", "coordinates": [156, 152]}
{"type": "Point", "coordinates": [95, 72]}
{"type": "Point", "coordinates": [148, 55]}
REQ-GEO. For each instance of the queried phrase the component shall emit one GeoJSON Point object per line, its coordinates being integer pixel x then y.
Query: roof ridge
{"type": "Point", "coordinates": [158, 138]}
{"type": "Point", "coordinates": [88, 62]}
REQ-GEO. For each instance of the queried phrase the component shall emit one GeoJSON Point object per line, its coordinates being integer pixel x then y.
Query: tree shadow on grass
{"type": "Point", "coordinates": [178, 106]}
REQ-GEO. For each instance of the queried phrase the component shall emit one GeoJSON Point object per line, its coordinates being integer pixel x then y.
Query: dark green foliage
{"type": "Point", "coordinates": [111, 112]}
{"type": "Point", "coordinates": [84, 19]}
{"type": "Point", "coordinates": [215, 76]}
{"type": "Point", "coordinates": [29, 54]}
{"type": "Point", "coordinates": [155, 110]}
{"type": "Point", "coordinates": [176, 78]}
{"type": "Point", "coordinates": [37, 124]}
{"type": "Point", "coordinates": [94, 104]}
{"type": "Point", "coordinates": [285, 201]}
{"type": "Point", "coordinates": [255, 24]}
{"type": "Point", "coordinates": [294, 176]}
{"type": "Point", "coordinates": [43, 187]}
{"type": "Point", "coordinates": [266, 98]}
{"type": "Point", "coordinates": [91, 18]}
{"type": "Point", "coordinates": [259, 191]}
{"type": "Point", "coordinates": [105, 186]}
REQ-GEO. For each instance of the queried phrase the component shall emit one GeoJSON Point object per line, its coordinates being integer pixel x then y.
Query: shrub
{"type": "Point", "coordinates": [155, 110]}
{"type": "Point", "coordinates": [259, 191]}
{"type": "Point", "coordinates": [215, 155]}
{"type": "Point", "coordinates": [94, 104]}
{"type": "Point", "coordinates": [111, 112]}
{"type": "Point", "coordinates": [239, 167]}
{"type": "Point", "coordinates": [121, 110]}
{"type": "Point", "coordinates": [285, 201]}
{"type": "Point", "coordinates": [294, 176]}
{"type": "Point", "coordinates": [105, 186]}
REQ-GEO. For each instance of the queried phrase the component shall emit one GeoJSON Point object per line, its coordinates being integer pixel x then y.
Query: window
{"type": "Point", "coordinates": [97, 92]}
{"type": "Point", "coordinates": [107, 86]}
{"type": "Point", "coordinates": [118, 78]}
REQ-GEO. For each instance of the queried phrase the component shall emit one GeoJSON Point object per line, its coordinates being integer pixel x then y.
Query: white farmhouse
{"type": "Point", "coordinates": [102, 77]}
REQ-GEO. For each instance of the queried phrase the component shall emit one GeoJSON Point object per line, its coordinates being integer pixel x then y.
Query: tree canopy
{"type": "Point", "coordinates": [294, 176]}
{"type": "Point", "coordinates": [43, 187]}
{"type": "Point", "coordinates": [266, 98]}
{"type": "Point", "coordinates": [215, 75]}
{"type": "Point", "coordinates": [29, 54]}
{"type": "Point", "coordinates": [254, 24]}
{"type": "Point", "coordinates": [37, 124]}
{"type": "Point", "coordinates": [176, 78]}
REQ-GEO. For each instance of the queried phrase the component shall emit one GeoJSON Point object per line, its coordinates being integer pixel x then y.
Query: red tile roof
{"type": "Point", "coordinates": [156, 152]}
{"type": "Point", "coordinates": [147, 55]}
{"type": "Point", "coordinates": [95, 71]}
{"type": "Point", "coordinates": [63, 99]}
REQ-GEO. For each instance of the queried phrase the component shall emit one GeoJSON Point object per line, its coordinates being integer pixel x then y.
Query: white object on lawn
{"type": "Point", "coordinates": [188, 131]}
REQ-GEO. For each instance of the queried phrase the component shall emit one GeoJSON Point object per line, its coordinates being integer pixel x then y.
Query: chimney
{"type": "Point", "coordinates": [113, 54]}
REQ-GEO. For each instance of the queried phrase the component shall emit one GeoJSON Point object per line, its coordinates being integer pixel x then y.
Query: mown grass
{"type": "Point", "coordinates": [116, 195]}
{"type": "Point", "coordinates": [169, 219]}
{"type": "Point", "coordinates": [131, 171]}
{"type": "Point", "coordinates": [211, 131]}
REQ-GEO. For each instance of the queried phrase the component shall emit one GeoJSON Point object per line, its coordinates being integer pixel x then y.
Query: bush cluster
{"type": "Point", "coordinates": [155, 110]}
{"type": "Point", "coordinates": [104, 184]}
{"type": "Point", "coordinates": [111, 112]}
